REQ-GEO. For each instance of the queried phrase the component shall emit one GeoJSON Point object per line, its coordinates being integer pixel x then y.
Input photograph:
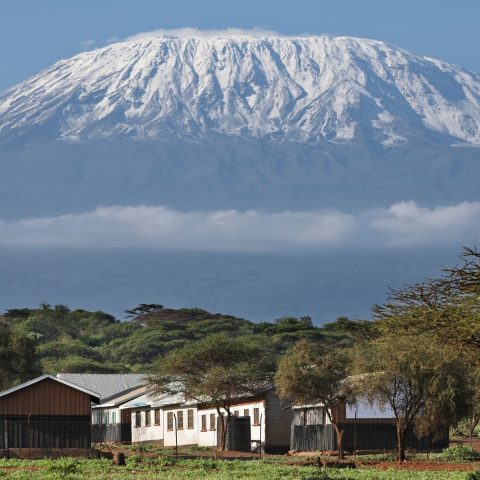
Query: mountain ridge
{"type": "Point", "coordinates": [300, 89]}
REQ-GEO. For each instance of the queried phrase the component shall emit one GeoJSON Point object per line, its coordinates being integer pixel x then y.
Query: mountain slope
{"type": "Point", "coordinates": [240, 122]}
{"type": "Point", "coordinates": [307, 89]}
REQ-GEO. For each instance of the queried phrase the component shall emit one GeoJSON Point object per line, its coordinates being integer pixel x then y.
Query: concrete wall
{"type": "Point", "coordinates": [208, 438]}
{"type": "Point", "coordinates": [186, 436]}
{"type": "Point", "coordinates": [144, 433]}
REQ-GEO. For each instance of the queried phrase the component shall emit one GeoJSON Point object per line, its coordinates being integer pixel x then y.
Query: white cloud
{"type": "Point", "coordinates": [406, 223]}
{"type": "Point", "coordinates": [188, 32]}
{"type": "Point", "coordinates": [402, 224]}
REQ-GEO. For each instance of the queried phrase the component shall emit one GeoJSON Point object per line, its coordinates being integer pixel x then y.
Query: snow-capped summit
{"type": "Point", "coordinates": [301, 89]}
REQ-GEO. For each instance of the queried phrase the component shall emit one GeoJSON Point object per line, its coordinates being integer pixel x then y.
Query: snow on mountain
{"type": "Point", "coordinates": [301, 89]}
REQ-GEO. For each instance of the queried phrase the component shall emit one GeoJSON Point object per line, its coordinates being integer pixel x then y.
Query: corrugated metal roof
{"type": "Point", "coordinates": [64, 381]}
{"type": "Point", "coordinates": [106, 384]}
{"type": "Point", "coordinates": [122, 397]}
{"type": "Point", "coordinates": [154, 400]}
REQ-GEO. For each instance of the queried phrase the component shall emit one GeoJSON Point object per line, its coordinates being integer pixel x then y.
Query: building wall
{"type": "Point", "coordinates": [186, 436]}
{"type": "Point", "coordinates": [46, 414]}
{"type": "Point", "coordinates": [47, 397]}
{"type": "Point", "coordinates": [209, 438]}
{"type": "Point", "coordinates": [144, 433]}
{"type": "Point", "coordinates": [278, 421]}
{"type": "Point", "coordinates": [364, 409]}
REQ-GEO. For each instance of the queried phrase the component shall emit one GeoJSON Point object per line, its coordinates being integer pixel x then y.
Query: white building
{"type": "Point", "coordinates": [170, 421]}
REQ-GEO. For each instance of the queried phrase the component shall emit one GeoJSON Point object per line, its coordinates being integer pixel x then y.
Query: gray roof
{"type": "Point", "coordinates": [151, 399]}
{"type": "Point", "coordinates": [123, 397]}
{"type": "Point", "coordinates": [94, 395]}
{"type": "Point", "coordinates": [106, 384]}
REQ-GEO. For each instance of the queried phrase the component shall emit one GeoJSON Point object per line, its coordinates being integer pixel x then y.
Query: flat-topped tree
{"type": "Point", "coordinates": [216, 370]}
{"type": "Point", "coordinates": [422, 382]}
{"type": "Point", "coordinates": [312, 373]}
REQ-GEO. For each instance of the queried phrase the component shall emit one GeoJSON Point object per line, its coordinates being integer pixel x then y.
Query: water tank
{"type": "Point", "coordinates": [239, 434]}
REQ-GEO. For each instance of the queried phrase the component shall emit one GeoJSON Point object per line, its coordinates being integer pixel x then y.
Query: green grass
{"type": "Point", "coordinates": [169, 468]}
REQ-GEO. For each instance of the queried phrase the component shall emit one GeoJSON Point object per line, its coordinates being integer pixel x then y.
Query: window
{"type": "Point", "coordinates": [204, 423]}
{"type": "Point", "coordinates": [105, 418]}
{"type": "Point", "coordinates": [236, 413]}
{"type": "Point", "coordinates": [157, 416]}
{"type": "Point", "coordinates": [114, 418]}
{"type": "Point", "coordinates": [212, 421]}
{"type": "Point", "coordinates": [180, 419]}
{"type": "Point", "coordinates": [246, 412]}
{"type": "Point", "coordinates": [256, 416]}
{"type": "Point", "coordinates": [138, 419]}
{"type": "Point", "coordinates": [170, 421]}
{"type": "Point", "coordinates": [148, 418]}
{"type": "Point", "coordinates": [190, 419]}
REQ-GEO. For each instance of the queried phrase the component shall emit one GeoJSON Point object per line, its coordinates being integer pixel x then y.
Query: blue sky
{"type": "Point", "coordinates": [34, 34]}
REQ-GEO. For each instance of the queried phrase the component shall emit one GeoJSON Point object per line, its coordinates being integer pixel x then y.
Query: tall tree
{"type": "Point", "coordinates": [216, 370]}
{"type": "Point", "coordinates": [314, 373]}
{"type": "Point", "coordinates": [418, 379]}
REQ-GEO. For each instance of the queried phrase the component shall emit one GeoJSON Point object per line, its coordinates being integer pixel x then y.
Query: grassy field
{"type": "Point", "coordinates": [167, 468]}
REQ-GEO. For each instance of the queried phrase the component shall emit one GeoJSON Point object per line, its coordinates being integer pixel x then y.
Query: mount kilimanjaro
{"type": "Point", "coordinates": [240, 122]}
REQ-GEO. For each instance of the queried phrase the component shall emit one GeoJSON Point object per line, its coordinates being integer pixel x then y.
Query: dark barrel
{"type": "Point", "coordinates": [239, 434]}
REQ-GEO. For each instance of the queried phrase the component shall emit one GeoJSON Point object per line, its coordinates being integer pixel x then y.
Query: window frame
{"type": "Point", "coordinates": [180, 422]}
{"type": "Point", "coordinates": [203, 419]}
{"type": "Point", "coordinates": [170, 422]}
{"type": "Point", "coordinates": [190, 419]}
{"type": "Point", "coordinates": [148, 418]}
{"type": "Point", "coordinates": [138, 418]}
{"type": "Point", "coordinates": [156, 416]}
{"type": "Point", "coordinates": [212, 422]}
{"type": "Point", "coordinates": [256, 416]}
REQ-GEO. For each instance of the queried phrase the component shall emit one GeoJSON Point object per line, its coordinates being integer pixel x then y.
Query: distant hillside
{"type": "Point", "coordinates": [82, 341]}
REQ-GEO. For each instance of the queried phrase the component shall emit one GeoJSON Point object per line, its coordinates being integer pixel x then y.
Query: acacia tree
{"type": "Point", "coordinates": [313, 373]}
{"type": "Point", "coordinates": [418, 380]}
{"type": "Point", "coordinates": [216, 370]}
{"type": "Point", "coordinates": [447, 308]}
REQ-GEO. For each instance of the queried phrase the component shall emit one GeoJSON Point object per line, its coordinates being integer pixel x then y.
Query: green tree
{"type": "Point", "coordinates": [216, 370]}
{"type": "Point", "coordinates": [312, 373]}
{"type": "Point", "coordinates": [423, 383]}
{"type": "Point", "coordinates": [18, 359]}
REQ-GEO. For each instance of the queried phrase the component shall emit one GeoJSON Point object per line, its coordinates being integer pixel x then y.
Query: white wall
{"type": "Point", "coordinates": [366, 410]}
{"type": "Point", "coordinates": [186, 436]}
{"type": "Point", "coordinates": [209, 438]}
{"type": "Point", "coordinates": [152, 433]}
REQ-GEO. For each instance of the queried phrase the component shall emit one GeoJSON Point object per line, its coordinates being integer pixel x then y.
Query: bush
{"type": "Point", "coordinates": [460, 453]}
{"type": "Point", "coordinates": [473, 475]}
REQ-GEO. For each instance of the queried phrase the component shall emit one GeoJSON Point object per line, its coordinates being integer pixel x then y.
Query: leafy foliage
{"type": "Point", "coordinates": [82, 341]}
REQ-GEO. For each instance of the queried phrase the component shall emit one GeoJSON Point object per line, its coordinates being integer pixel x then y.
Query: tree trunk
{"type": "Point", "coordinates": [474, 420]}
{"type": "Point", "coordinates": [223, 437]}
{"type": "Point", "coordinates": [339, 432]}
{"type": "Point", "coordinates": [225, 420]}
{"type": "Point", "coordinates": [401, 431]}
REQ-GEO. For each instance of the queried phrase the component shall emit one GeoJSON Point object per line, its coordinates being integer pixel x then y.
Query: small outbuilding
{"type": "Point", "coordinates": [46, 413]}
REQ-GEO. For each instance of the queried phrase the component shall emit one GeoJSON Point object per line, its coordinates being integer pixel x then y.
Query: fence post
{"type": "Point", "coordinates": [176, 434]}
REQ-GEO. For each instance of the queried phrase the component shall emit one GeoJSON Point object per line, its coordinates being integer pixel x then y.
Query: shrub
{"type": "Point", "coordinates": [473, 475]}
{"type": "Point", "coordinates": [460, 453]}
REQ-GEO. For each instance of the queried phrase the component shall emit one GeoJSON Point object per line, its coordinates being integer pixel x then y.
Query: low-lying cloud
{"type": "Point", "coordinates": [403, 224]}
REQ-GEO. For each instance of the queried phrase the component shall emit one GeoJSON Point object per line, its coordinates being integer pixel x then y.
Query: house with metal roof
{"type": "Point", "coordinates": [106, 385]}
{"type": "Point", "coordinates": [46, 413]}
